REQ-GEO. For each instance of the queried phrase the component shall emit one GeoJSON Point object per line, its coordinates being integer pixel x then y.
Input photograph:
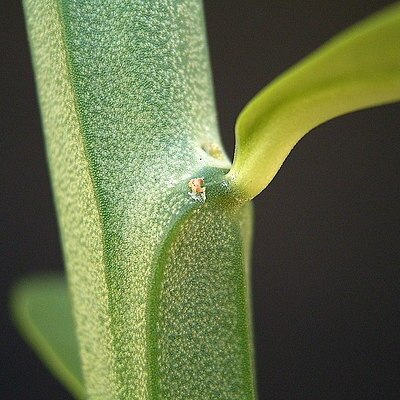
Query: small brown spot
{"type": "Point", "coordinates": [198, 191]}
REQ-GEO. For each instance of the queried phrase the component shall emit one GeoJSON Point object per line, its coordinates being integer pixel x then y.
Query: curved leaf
{"type": "Point", "coordinates": [41, 307]}
{"type": "Point", "coordinates": [359, 68]}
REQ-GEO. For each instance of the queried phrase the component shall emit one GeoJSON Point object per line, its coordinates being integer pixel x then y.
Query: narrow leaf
{"type": "Point", "coordinates": [41, 307]}
{"type": "Point", "coordinates": [359, 68]}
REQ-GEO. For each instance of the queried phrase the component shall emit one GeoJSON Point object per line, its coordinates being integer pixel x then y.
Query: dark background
{"type": "Point", "coordinates": [326, 257]}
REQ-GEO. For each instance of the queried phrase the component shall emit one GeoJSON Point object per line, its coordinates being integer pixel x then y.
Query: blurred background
{"type": "Point", "coordinates": [326, 267]}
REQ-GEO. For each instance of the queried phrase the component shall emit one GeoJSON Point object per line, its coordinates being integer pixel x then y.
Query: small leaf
{"type": "Point", "coordinates": [42, 310]}
{"type": "Point", "coordinates": [357, 69]}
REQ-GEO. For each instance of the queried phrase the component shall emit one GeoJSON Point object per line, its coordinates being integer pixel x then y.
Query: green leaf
{"type": "Point", "coordinates": [42, 310]}
{"type": "Point", "coordinates": [359, 68]}
{"type": "Point", "coordinates": [158, 276]}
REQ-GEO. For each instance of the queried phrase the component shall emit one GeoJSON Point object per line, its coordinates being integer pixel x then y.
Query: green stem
{"type": "Point", "coordinates": [159, 280]}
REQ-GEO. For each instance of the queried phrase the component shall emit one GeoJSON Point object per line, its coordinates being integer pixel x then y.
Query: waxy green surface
{"type": "Point", "coordinates": [158, 279]}
{"type": "Point", "coordinates": [359, 68]}
{"type": "Point", "coordinates": [42, 311]}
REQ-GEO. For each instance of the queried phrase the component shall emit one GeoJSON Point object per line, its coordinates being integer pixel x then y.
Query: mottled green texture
{"type": "Point", "coordinates": [127, 104]}
{"type": "Point", "coordinates": [201, 313]}
{"type": "Point", "coordinates": [42, 310]}
{"type": "Point", "coordinates": [359, 68]}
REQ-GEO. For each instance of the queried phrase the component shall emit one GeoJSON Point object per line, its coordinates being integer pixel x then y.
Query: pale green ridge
{"type": "Point", "coordinates": [359, 68]}
{"type": "Point", "coordinates": [75, 200]}
{"type": "Point", "coordinates": [129, 117]}
{"type": "Point", "coordinates": [203, 348]}
{"type": "Point", "coordinates": [42, 311]}
{"type": "Point", "coordinates": [200, 324]}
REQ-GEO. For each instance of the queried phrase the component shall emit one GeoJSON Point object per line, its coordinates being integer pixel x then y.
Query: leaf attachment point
{"type": "Point", "coordinates": [357, 69]}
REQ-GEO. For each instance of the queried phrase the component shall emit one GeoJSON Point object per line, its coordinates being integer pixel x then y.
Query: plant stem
{"type": "Point", "coordinates": [159, 281]}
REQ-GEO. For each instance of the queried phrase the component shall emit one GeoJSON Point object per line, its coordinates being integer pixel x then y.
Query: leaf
{"type": "Point", "coordinates": [357, 69]}
{"type": "Point", "coordinates": [42, 310]}
{"type": "Point", "coordinates": [159, 279]}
